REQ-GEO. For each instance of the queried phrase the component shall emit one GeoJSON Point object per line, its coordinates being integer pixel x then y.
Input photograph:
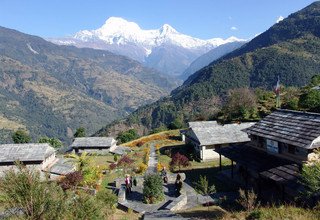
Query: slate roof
{"type": "Point", "coordinates": [222, 134]}
{"type": "Point", "coordinates": [93, 142]}
{"type": "Point", "coordinates": [25, 152]}
{"type": "Point", "coordinates": [204, 124]}
{"type": "Point", "coordinates": [301, 129]}
{"type": "Point", "coordinates": [62, 167]}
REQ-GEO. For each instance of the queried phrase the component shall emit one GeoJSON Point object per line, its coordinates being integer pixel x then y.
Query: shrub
{"type": "Point", "coordinates": [255, 215]}
{"type": "Point", "coordinates": [112, 166]}
{"type": "Point", "coordinates": [109, 201]}
{"type": "Point", "coordinates": [115, 158]}
{"type": "Point", "coordinates": [21, 137]}
{"type": "Point", "coordinates": [84, 206]}
{"type": "Point", "coordinates": [91, 176]}
{"type": "Point", "coordinates": [54, 142]}
{"type": "Point", "coordinates": [152, 189]}
{"type": "Point", "coordinates": [71, 180]}
{"type": "Point", "coordinates": [140, 143]}
{"type": "Point", "coordinates": [37, 199]}
{"type": "Point", "coordinates": [127, 136]}
{"type": "Point", "coordinates": [179, 160]}
{"type": "Point", "coordinates": [248, 199]}
{"type": "Point", "coordinates": [159, 167]}
{"type": "Point", "coordinates": [142, 168]}
{"type": "Point", "coordinates": [80, 132]}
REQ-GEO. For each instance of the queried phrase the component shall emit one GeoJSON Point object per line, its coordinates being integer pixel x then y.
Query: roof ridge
{"type": "Point", "coordinates": [297, 112]}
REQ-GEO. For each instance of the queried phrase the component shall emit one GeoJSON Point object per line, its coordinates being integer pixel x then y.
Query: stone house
{"type": "Point", "coordinates": [35, 156]}
{"type": "Point", "coordinates": [280, 144]}
{"type": "Point", "coordinates": [207, 136]}
{"type": "Point", "coordinates": [97, 145]}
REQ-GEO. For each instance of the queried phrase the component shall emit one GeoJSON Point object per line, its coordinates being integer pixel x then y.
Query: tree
{"type": "Point", "coordinates": [311, 100]}
{"type": "Point", "coordinates": [202, 186]}
{"type": "Point", "coordinates": [241, 105]}
{"type": "Point", "coordinates": [153, 189]}
{"type": "Point", "coordinates": [20, 137]}
{"type": "Point", "coordinates": [179, 160]}
{"type": "Point", "coordinates": [80, 132]}
{"type": "Point", "coordinates": [81, 161]}
{"type": "Point", "coordinates": [310, 176]}
{"type": "Point", "coordinates": [176, 124]}
{"type": "Point", "coordinates": [54, 142]}
{"type": "Point", "coordinates": [127, 136]}
{"type": "Point", "coordinates": [37, 199]}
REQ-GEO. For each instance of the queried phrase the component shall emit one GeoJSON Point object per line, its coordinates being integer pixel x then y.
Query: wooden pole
{"type": "Point", "coordinates": [220, 164]}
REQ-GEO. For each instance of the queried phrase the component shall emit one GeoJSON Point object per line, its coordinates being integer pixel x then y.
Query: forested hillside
{"type": "Point", "coordinates": [51, 90]}
{"type": "Point", "coordinates": [289, 49]}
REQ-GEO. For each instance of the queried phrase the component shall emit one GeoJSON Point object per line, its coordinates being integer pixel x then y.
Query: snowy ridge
{"type": "Point", "coordinates": [121, 32]}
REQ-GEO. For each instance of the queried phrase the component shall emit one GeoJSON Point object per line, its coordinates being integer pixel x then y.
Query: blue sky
{"type": "Point", "coordinates": [199, 18]}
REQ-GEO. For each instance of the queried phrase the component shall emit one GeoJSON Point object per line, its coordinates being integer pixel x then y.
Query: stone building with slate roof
{"type": "Point", "coordinates": [280, 143]}
{"type": "Point", "coordinates": [287, 134]}
{"type": "Point", "coordinates": [207, 136]}
{"type": "Point", "coordinates": [35, 156]}
{"type": "Point", "coordinates": [98, 145]}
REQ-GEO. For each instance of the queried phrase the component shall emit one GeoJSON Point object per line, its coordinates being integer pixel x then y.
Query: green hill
{"type": "Point", "coordinates": [51, 90]}
{"type": "Point", "coordinates": [290, 49]}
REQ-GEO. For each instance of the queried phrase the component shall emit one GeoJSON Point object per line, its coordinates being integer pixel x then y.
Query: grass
{"type": "Point", "coordinates": [201, 212]}
{"type": "Point", "coordinates": [122, 215]}
{"type": "Point", "coordinates": [287, 212]}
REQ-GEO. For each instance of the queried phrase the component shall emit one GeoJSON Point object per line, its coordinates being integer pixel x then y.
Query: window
{"type": "Point", "coordinates": [291, 149]}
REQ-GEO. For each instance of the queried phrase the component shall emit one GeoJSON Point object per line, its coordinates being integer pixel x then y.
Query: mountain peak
{"type": "Point", "coordinates": [117, 24]}
{"type": "Point", "coordinates": [166, 29]}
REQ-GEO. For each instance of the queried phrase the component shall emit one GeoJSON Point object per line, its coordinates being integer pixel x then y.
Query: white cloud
{"type": "Point", "coordinates": [233, 28]}
{"type": "Point", "coordinates": [280, 18]}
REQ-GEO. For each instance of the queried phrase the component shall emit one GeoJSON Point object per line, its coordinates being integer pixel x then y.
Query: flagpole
{"type": "Point", "coordinates": [277, 91]}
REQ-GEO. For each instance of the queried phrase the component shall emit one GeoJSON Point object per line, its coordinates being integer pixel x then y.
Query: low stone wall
{"type": "Point", "coordinates": [122, 194]}
{"type": "Point", "coordinates": [173, 176]}
{"type": "Point", "coordinates": [179, 202]}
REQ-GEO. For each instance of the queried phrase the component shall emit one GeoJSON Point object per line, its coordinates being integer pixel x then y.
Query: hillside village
{"type": "Point", "coordinates": [82, 135]}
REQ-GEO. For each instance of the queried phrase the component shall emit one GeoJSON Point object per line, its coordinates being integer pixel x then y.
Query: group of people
{"type": "Point", "coordinates": [177, 184]}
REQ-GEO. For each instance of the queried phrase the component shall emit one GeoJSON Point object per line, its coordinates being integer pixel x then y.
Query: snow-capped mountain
{"type": "Point", "coordinates": [151, 47]}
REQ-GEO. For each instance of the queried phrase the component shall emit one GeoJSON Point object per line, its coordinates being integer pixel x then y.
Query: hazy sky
{"type": "Point", "coordinates": [199, 18]}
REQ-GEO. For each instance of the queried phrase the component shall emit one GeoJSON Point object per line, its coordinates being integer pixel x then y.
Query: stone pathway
{"type": "Point", "coordinates": [153, 160]}
{"type": "Point", "coordinates": [163, 209]}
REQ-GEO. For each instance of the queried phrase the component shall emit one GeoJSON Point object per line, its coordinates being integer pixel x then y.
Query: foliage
{"type": "Point", "coordinates": [71, 180]}
{"type": "Point", "coordinates": [115, 158]}
{"type": "Point", "coordinates": [202, 186]}
{"type": "Point", "coordinates": [153, 189]}
{"type": "Point", "coordinates": [20, 137]}
{"type": "Point", "coordinates": [176, 124]}
{"type": "Point", "coordinates": [125, 162]}
{"type": "Point", "coordinates": [80, 132]}
{"type": "Point", "coordinates": [81, 161]}
{"type": "Point", "coordinates": [109, 201]}
{"type": "Point", "coordinates": [127, 136]}
{"type": "Point", "coordinates": [91, 176]}
{"type": "Point", "coordinates": [248, 199]}
{"type": "Point", "coordinates": [84, 206]}
{"type": "Point", "coordinates": [37, 199]}
{"type": "Point", "coordinates": [310, 176]}
{"type": "Point", "coordinates": [179, 160]}
{"type": "Point", "coordinates": [112, 166]}
{"type": "Point", "coordinates": [241, 105]}
{"type": "Point", "coordinates": [54, 142]}
{"type": "Point", "coordinates": [311, 100]}
{"type": "Point", "coordinates": [142, 168]}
